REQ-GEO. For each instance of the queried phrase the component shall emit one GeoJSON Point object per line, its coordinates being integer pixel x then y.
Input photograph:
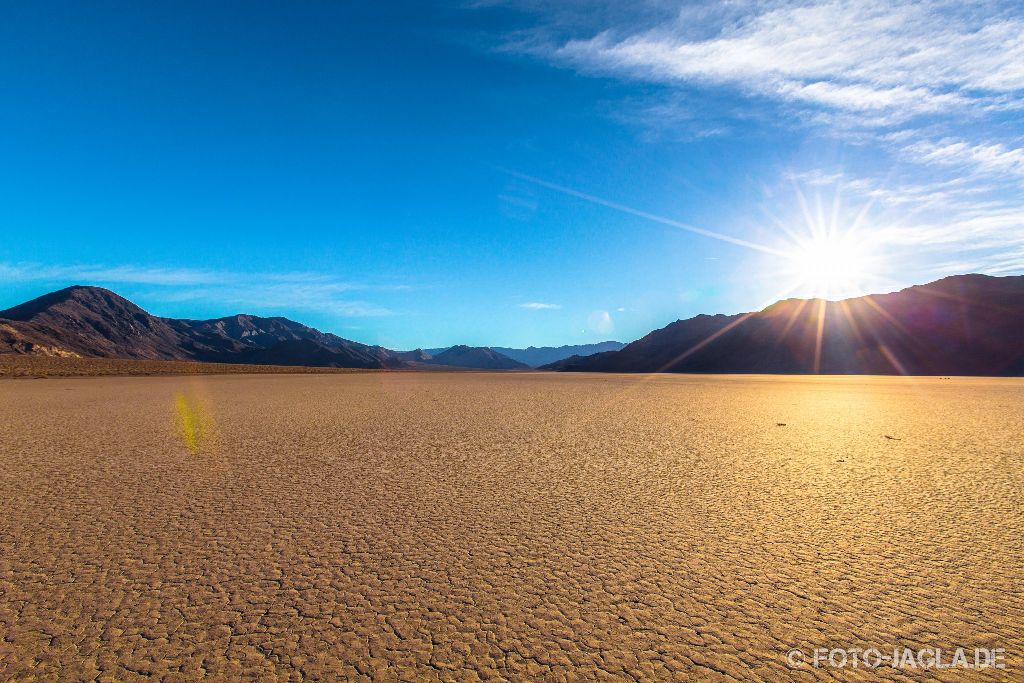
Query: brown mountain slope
{"type": "Point", "coordinates": [961, 325]}
{"type": "Point", "coordinates": [93, 322]}
{"type": "Point", "coordinates": [90, 322]}
{"type": "Point", "coordinates": [477, 357]}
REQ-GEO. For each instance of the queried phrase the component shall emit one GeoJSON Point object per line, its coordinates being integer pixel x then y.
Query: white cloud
{"type": "Point", "coordinates": [847, 55]}
{"type": "Point", "coordinates": [961, 224]}
{"type": "Point", "coordinates": [88, 274]}
{"type": "Point", "coordinates": [256, 291]}
{"type": "Point", "coordinates": [925, 93]}
{"type": "Point", "coordinates": [538, 306]}
{"type": "Point", "coordinates": [987, 158]}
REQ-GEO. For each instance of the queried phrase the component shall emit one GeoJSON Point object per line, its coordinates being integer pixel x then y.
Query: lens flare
{"type": "Point", "coordinates": [831, 252]}
{"type": "Point", "coordinates": [831, 266]}
{"type": "Point", "coordinates": [192, 422]}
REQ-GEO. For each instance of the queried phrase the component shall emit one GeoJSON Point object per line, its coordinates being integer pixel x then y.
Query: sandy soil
{"type": "Point", "coordinates": [462, 526]}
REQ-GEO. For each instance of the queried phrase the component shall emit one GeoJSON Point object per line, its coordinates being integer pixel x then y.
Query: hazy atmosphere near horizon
{"type": "Point", "coordinates": [506, 173]}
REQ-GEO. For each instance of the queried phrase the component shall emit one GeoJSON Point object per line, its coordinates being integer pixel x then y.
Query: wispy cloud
{"type": "Point", "coordinates": [307, 291]}
{"type": "Point", "coordinates": [89, 274]}
{"type": "Point", "coordinates": [985, 158]}
{"type": "Point", "coordinates": [960, 224]}
{"type": "Point", "coordinates": [538, 306]}
{"type": "Point", "coordinates": [866, 56]}
{"type": "Point", "coordinates": [929, 89]}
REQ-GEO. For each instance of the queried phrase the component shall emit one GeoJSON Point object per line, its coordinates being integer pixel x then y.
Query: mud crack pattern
{"type": "Point", "coordinates": [460, 527]}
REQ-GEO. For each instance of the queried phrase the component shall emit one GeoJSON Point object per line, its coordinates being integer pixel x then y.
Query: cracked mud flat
{"type": "Point", "coordinates": [39, 367]}
{"type": "Point", "coordinates": [528, 526]}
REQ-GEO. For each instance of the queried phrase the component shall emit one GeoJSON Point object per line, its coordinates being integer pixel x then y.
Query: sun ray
{"type": "Point", "coordinates": [834, 220]}
{"type": "Point", "coordinates": [813, 226]}
{"type": "Point", "coordinates": [704, 342]}
{"type": "Point", "coordinates": [844, 306]}
{"type": "Point", "coordinates": [643, 379]}
{"type": "Point", "coordinates": [793, 317]}
{"type": "Point", "coordinates": [701, 344]}
{"type": "Point", "coordinates": [783, 226]}
{"type": "Point", "coordinates": [819, 214]}
{"type": "Point", "coordinates": [830, 258]}
{"type": "Point", "coordinates": [891, 357]}
{"type": "Point", "coordinates": [870, 301]}
{"type": "Point", "coordinates": [819, 336]}
{"type": "Point", "coordinates": [688, 352]}
{"type": "Point", "coordinates": [859, 219]}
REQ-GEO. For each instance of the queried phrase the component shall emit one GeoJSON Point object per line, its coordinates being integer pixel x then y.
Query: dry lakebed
{"type": "Point", "coordinates": [524, 526]}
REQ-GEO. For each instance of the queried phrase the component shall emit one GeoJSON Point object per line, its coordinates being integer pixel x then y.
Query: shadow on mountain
{"type": "Point", "coordinates": [960, 325]}
{"type": "Point", "coordinates": [93, 322]}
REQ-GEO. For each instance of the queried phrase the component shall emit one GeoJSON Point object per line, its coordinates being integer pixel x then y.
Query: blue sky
{"type": "Point", "coordinates": [503, 173]}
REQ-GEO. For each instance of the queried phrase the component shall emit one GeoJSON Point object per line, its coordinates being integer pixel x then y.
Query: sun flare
{"type": "Point", "coordinates": [831, 251]}
{"type": "Point", "coordinates": [831, 265]}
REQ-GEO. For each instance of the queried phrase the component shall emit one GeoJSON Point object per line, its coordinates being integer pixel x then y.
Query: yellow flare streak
{"type": "Point", "coordinates": [191, 419]}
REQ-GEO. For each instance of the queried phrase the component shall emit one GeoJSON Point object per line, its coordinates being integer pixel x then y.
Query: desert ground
{"type": "Point", "coordinates": [436, 526]}
{"type": "Point", "coordinates": [14, 365]}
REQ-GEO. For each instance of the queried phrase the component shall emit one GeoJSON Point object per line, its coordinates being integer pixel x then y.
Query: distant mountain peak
{"type": "Point", "coordinates": [96, 322]}
{"type": "Point", "coordinates": [536, 356]}
{"type": "Point", "coordinates": [94, 298]}
{"type": "Point", "coordinates": [477, 357]}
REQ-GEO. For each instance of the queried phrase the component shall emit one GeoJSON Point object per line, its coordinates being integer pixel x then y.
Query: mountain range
{"type": "Point", "coordinates": [93, 322]}
{"type": "Point", "coordinates": [463, 356]}
{"type": "Point", "coordinates": [959, 325]}
{"type": "Point", "coordinates": [536, 356]}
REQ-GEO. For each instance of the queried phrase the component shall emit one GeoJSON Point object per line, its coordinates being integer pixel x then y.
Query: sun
{"type": "Point", "coordinates": [831, 265]}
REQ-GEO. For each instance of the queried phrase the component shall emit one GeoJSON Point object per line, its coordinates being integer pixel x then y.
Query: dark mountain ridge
{"type": "Point", "coordinates": [536, 356]}
{"type": "Point", "coordinates": [533, 356]}
{"type": "Point", "coordinates": [97, 323]}
{"type": "Point", "coordinates": [477, 357]}
{"type": "Point", "coordinates": [959, 325]}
